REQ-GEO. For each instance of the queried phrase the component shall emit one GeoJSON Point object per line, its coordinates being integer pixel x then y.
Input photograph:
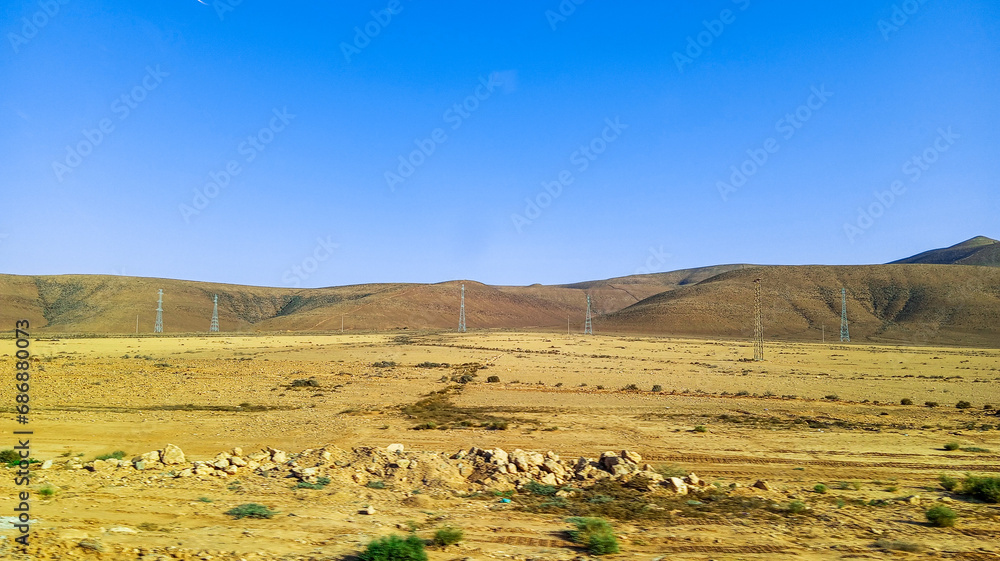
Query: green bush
{"type": "Point", "coordinates": [906, 401]}
{"type": "Point", "coordinates": [250, 510]}
{"type": "Point", "coordinates": [321, 482]}
{"type": "Point", "coordinates": [595, 534]}
{"type": "Point", "coordinates": [536, 488]}
{"type": "Point", "coordinates": [948, 483]}
{"type": "Point", "coordinates": [963, 405]}
{"type": "Point", "coordinates": [701, 428]}
{"type": "Point", "coordinates": [931, 403]}
{"type": "Point", "coordinates": [395, 548]}
{"type": "Point", "coordinates": [820, 488]}
{"type": "Point", "coordinates": [493, 379]}
{"type": "Point", "coordinates": [657, 388]}
{"type": "Point", "coordinates": [941, 516]}
{"type": "Point", "coordinates": [796, 507]}
{"type": "Point", "coordinates": [47, 491]}
{"type": "Point", "coordinates": [10, 457]}
{"type": "Point", "coordinates": [448, 536]}
{"type": "Point", "coordinates": [951, 446]}
{"type": "Point", "coordinates": [375, 484]}
{"type": "Point", "coordinates": [984, 488]}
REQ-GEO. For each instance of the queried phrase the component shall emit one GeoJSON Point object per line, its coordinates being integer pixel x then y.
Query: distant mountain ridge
{"type": "Point", "coordinates": [923, 299]}
{"type": "Point", "coordinates": [977, 251]}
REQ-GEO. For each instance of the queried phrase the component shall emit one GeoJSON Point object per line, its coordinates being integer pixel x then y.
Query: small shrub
{"type": "Point", "coordinates": [906, 401]}
{"type": "Point", "coordinates": [941, 516]}
{"type": "Point", "coordinates": [536, 488]}
{"type": "Point", "coordinates": [657, 388]}
{"type": "Point", "coordinates": [595, 534]}
{"type": "Point", "coordinates": [832, 397]}
{"type": "Point", "coordinates": [951, 446]}
{"type": "Point", "coordinates": [963, 405]}
{"type": "Point", "coordinates": [796, 507]}
{"type": "Point", "coordinates": [205, 499]}
{"type": "Point", "coordinates": [630, 388]}
{"type": "Point", "coordinates": [493, 379]}
{"type": "Point", "coordinates": [117, 454]}
{"type": "Point", "coordinates": [448, 536]}
{"type": "Point", "coordinates": [395, 548]}
{"type": "Point", "coordinates": [931, 403]}
{"type": "Point", "coordinates": [303, 383]}
{"type": "Point", "coordinates": [976, 449]}
{"type": "Point", "coordinates": [250, 510]}
{"type": "Point", "coordinates": [10, 457]}
{"type": "Point", "coordinates": [47, 491]}
{"type": "Point", "coordinates": [701, 428]}
{"type": "Point", "coordinates": [948, 483]}
{"type": "Point", "coordinates": [375, 484]}
{"type": "Point", "coordinates": [384, 364]}
{"type": "Point", "coordinates": [321, 482]}
{"type": "Point", "coordinates": [984, 488]}
{"type": "Point", "coordinates": [820, 488]}
{"type": "Point", "coordinates": [987, 407]}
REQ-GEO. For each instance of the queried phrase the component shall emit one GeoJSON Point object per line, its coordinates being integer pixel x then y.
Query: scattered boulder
{"type": "Point", "coordinates": [171, 455]}
{"type": "Point", "coordinates": [763, 485]}
{"type": "Point", "coordinates": [394, 448]}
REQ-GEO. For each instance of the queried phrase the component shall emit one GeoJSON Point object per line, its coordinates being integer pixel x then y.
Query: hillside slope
{"type": "Point", "coordinates": [977, 251]}
{"type": "Point", "coordinates": [888, 303]}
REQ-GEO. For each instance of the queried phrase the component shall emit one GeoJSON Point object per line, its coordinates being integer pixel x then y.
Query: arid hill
{"type": "Point", "coordinates": [977, 251]}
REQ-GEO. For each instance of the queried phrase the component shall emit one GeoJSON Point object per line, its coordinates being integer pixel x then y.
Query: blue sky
{"type": "Point", "coordinates": [824, 107]}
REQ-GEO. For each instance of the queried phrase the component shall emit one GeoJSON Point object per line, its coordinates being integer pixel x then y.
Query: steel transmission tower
{"type": "Point", "coordinates": [215, 316]}
{"type": "Point", "coordinates": [461, 313]}
{"type": "Point", "coordinates": [758, 324]}
{"type": "Point", "coordinates": [845, 333]}
{"type": "Point", "coordinates": [158, 328]}
{"type": "Point", "coordinates": [588, 327]}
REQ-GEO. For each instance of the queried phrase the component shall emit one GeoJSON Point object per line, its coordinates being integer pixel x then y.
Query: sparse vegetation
{"type": "Point", "coordinates": [963, 405]}
{"type": "Point", "coordinates": [493, 379]}
{"type": "Point", "coordinates": [948, 483]}
{"type": "Point", "coordinates": [596, 534]}
{"type": "Point", "coordinates": [931, 403]}
{"type": "Point", "coordinates": [395, 548]}
{"type": "Point", "coordinates": [906, 401]}
{"type": "Point", "coordinates": [436, 411]}
{"type": "Point", "coordinates": [321, 482]}
{"type": "Point", "coordinates": [47, 491]}
{"type": "Point", "coordinates": [951, 446]}
{"type": "Point", "coordinates": [986, 489]}
{"type": "Point", "coordinates": [976, 449]}
{"type": "Point", "coordinates": [820, 488]}
{"type": "Point", "coordinates": [375, 484]}
{"type": "Point", "coordinates": [117, 455]}
{"type": "Point", "coordinates": [448, 536]}
{"type": "Point", "coordinates": [250, 510]}
{"type": "Point", "coordinates": [890, 545]}
{"type": "Point", "coordinates": [657, 388]}
{"type": "Point", "coordinates": [941, 516]}
{"type": "Point", "coordinates": [701, 428]}
{"type": "Point", "coordinates": [384, 364]}
{"type": "Point", "coordinates": [305, 383]}
{"type": "Point", "coordinates": [797, 507]}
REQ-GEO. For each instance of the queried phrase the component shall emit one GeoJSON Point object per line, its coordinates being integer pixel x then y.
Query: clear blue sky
{"type": "Point", "coordinates": [180, 86]}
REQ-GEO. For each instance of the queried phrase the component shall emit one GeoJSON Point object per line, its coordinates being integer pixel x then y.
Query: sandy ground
{"type": "Point", "coordinates": [809, 414]}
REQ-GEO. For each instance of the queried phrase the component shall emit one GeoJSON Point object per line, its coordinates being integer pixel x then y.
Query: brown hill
{"type": "Point", "coordinates": [887, 303]}
{"type": "Point", "coordinates": [977, 251]}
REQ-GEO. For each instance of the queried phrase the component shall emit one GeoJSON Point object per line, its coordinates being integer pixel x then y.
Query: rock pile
{"type": "Point", "coordinates": [492, 468]}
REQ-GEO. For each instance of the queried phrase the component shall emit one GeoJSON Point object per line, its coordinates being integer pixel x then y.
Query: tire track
{"type": "Point", "coordinates": [740, 460]}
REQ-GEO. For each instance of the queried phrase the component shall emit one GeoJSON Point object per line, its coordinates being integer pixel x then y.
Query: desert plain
{"type": "Point", "coordinates": [842, 468]}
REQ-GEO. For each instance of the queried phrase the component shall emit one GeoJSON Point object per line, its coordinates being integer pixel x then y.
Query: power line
{"type": "Point", "coordinates": [758, 324]}
{"type": "Point", "coordinates": [214, 328]}
{"type": "Point", "coordinates": [588, 327]}
{"type": "Point", "coordinates": [845, 333]}
{"type": "Point", "coordinates": [461, 313]}
{"type": "Point", "coordinates": [158, 328]}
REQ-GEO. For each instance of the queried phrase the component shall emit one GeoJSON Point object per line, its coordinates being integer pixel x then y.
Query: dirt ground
{"type": "Point", "coordinates": [809, 414]}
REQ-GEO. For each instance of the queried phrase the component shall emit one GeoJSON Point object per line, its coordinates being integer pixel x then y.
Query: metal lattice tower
{"type": "Point", "coordinates": [461, 313]}
{"type": "Point", "coordinates": [215, 316]}
{"type": "Point", "coordinates": [758, 324]}
{"type": "Point", "coordinates": [158, 328]}
{"type": "Point", "coordinates": [845, 333]}
{"type": "Point", "coordinates": [588, 327]}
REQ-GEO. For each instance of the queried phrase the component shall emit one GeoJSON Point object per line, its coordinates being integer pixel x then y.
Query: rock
{"type": "Point", "coordinates": [498, 456]}
{"type": "Point", "coordinates": [692, 479]}
{"type": "Point", "coordinates": [221, 464]}
{"type": "Point", "coordinates": [618, 470]}
{"type": "Point", "coordinates": [676, 485]}
{"type": "Point", "coordinates": [237, 451]}
{"type": "Point", "coordinates": [394, 448]}
{"type": "Point", "coordinates": [121, 530]}
{"type": "Point", "coordinates": [231, 470]}
{"type": "Point", "coordinates": [548, 479]}
{"type": "Point", "coordinates": [47, 464]}
{"type": "Point", "coordinates": [552, 456]}
{"type": "Point", "coordinates": [763, 485]}
{"type": "Point", "coordinates": [369, 510]}
{"type": "Point", "coordinates": [100, 465]}
{"type": "Point", "coordinates": [359, 478]}
{"type": "Point", "coordinates": [222, 456]}
{"type": "Point", "coordinates": [140, 465]}
{"type": "Point", "coordinates": [238, 461]}
{"type": "Point", "coordinates": [258, 456]}
{"type": "Point", "coordinates": [402, 463]}
{"type": "Point", "coordinates": [913, 499]}
{"type": "Point", "coordinates": [631, 456]}
{"type": "Point", "coordinates": [187, 472]}
{"type": "Point", "coordinates": [553, 467]}
{"type": "Point", "coordinates": [278, 457]}
{"type": "Point", "coordinates": [171, 455]}
{"type": "Point", "coordinates": [460, 455]}
{"type": "Point", "coordinates": [419, 501]}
